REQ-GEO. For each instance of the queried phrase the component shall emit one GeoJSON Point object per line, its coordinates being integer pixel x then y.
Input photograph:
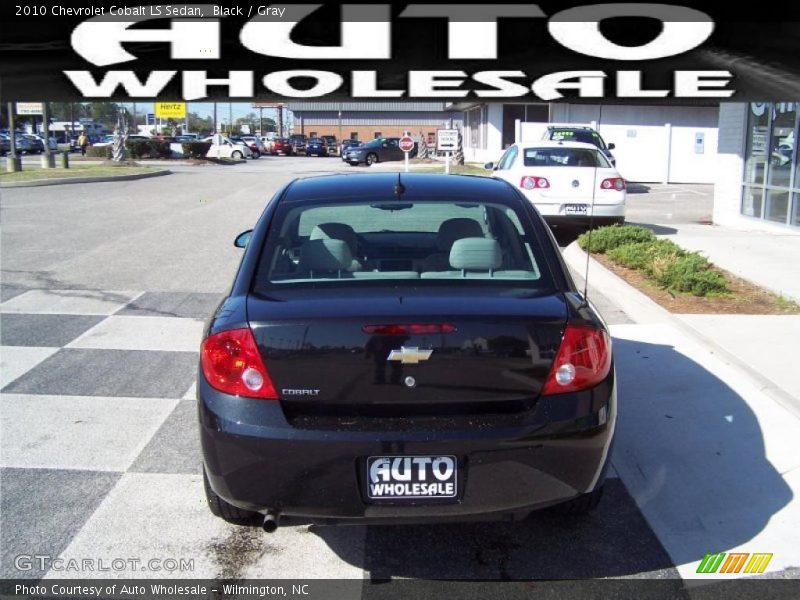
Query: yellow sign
{"type": "Point", "coordinates": [171, 110]}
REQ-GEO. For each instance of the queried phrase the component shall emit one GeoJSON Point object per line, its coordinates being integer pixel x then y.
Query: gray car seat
{"type": "Point", "coordinates": [325, 258]}
{"type": "Point", "coordinates": [449, 232]}
{"type": "Point", "coordinates": [339, 231]}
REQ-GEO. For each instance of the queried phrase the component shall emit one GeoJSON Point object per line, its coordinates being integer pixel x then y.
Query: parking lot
{"type": "Point", "coordinates": [105, 289]}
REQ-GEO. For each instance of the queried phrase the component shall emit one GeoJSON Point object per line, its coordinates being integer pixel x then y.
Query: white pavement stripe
{"type": "Point", "coordinates": [143, 333]}
{"type": "Point", "coordinates": [132, 519]}
{"type": "Point", "coordinates": [711, 460]}
{"type": "Point", "coordinates": [77, 432]}
{"type": "Point", "coordinates": [69, 302]}
{"type": "Point", "coordinates": [15, 361]}
{"type": "Point", "coordinates": [191, 393]}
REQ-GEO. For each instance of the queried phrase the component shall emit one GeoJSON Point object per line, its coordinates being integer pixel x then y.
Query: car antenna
{"type": "Point", "coordinates": [399, 188]}
{"type": "Point", "coordinates": [589, 236]}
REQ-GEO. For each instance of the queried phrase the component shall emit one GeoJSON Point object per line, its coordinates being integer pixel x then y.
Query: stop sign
{"type": "Point", "coordinates": [406, 143]}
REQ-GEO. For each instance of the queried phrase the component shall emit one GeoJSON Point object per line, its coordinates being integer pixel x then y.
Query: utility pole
{"type": "Point", "coordinates": [230, 118]}
{"type": "Point", "coordinates": [215, 119]}
{"type": "Point", "coordinates": [261, 121]}
{"type": "Point", "coordinates": [48, 159]}
{"type": "Point", "coordinates": [280, 120]}
{"type": "Point", "coordinates": [14, 163]}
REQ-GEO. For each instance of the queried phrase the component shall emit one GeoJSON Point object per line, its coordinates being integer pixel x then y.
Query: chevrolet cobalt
{"type": "Point", "coordinates": [403, 348]}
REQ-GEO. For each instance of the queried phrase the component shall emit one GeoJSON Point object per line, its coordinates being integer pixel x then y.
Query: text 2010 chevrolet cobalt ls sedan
{"type": "Point", "coordinates": [402, 349]}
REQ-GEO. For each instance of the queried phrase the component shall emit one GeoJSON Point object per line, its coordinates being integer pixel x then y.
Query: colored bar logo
{"type": "Point", "coordinates": [734, 563]}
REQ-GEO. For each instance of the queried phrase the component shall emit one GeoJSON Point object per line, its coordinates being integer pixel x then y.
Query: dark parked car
{"type": "Point", "coordinates": [281, 146]}
{"type": "Point", "coordinates": [316, 147]}
{"type": "Point", "coordinates": [587, 135]}
{"type": "Point", "coordinates": [5, 144]}
{"type": "Point", "coordinates": [403, 348]}
{"type": "Point", "coordinates": [377, 150]}
{"type": "Point", "coordinates": [332, 144]}
{"type": "Point", "coordinates": [298, 142]}
{"type": "Point", "coordinates": [346, 144]}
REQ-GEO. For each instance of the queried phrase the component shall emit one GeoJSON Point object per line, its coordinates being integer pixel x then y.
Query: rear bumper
{"type": "Point", "coordinates": [257, 461]}
{"type": "Point", "coordinates": [606, 204]}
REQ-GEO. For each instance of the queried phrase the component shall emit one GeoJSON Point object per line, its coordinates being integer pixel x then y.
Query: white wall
{"type": "Point", "coordinates": [494, 138]}
{"type": "Point", "coordinates": [653, 143]}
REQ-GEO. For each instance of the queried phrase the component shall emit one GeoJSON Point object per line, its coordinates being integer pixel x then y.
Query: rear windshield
{"type": "Point", "coordinates": [564, 157]}
{"type": "Point", "coordinates": [435, 242]}
{"type": "Point", "coordinates": [585, 136]}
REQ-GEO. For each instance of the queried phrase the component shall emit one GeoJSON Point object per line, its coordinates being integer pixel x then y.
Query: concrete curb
{"type": "Point", "coordinates": [642, 309]}
{"type": "Point", "coordinates": [64, 180]}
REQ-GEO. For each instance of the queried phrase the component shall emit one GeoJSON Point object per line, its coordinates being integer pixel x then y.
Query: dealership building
{"type": "Point", "coordinates": [369, 120]}
{"type": "Point", "coordinates": [757, 176]}
{"type": "Point", "coordinates": [746, 150]}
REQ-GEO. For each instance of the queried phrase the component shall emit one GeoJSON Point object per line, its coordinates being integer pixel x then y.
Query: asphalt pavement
{"type": "Point", "coordinates": [104, 291]}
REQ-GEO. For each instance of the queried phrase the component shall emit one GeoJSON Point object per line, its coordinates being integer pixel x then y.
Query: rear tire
{"type": "Point", "coordinates": [237, 155]}
{"type": "Point", "coordinates": [370, 159]}
{"type": "Point", "coordinates": [582, 504]}
{"type": "Point", "coordinates": [227, 512]}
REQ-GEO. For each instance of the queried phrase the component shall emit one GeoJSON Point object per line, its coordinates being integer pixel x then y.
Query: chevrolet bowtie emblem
{"type": "Point", "coordinates": [410, 356]}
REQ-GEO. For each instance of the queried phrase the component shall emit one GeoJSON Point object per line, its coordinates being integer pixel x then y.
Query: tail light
{"type": "Point", "coordinates": [410, 329]}
{"type": "Point", "coordinates": [232, 364]}
{"type": "Point", "coordinates": [614, 183]}
{"type": "Point", "coordinates": [583, 361]}
{"type": "Point", "coordinates": [530, 182]}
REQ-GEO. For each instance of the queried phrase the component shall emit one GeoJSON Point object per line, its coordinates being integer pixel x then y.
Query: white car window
{"type": "Point", "coordinates": [564, 157]}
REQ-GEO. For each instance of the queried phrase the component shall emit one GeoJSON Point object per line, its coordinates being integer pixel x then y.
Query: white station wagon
{"type": "Point", "coordinates": [564, 180]}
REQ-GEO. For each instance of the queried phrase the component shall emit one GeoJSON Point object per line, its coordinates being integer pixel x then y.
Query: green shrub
{"type": "Point", "coordinates": [640, 255]}
{"type": "Point", "coordinates": [667, 264]}
{"type": "Point", "coordinates": [689, 273]}
{"type": "Point", "coordinates": [99, 152]}
{"type": "Point", "coordinates": [196, 149]}
{"type": "Point", "coordinates": [148, 149]}
{"type": "Point", "coordinates": [605, 238]}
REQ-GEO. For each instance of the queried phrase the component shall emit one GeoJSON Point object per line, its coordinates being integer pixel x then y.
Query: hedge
{"type": "Point", "coordinates": [605, 238]}
{"type": "Point", "coordinates": [99, 152]}
{"type": "Point", "coordinates": [662, 261]}
{"type": "Point", "coordinates": [196, 149]}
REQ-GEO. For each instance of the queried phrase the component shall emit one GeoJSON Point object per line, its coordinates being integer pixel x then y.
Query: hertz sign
{"type": "Point", "coordinates": [171, 110]}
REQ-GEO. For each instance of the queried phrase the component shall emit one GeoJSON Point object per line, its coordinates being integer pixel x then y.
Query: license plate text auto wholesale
{"type": "Point", "coordinates": [409, 477]}
{"type": "Point", "coordinates": [575, 209]}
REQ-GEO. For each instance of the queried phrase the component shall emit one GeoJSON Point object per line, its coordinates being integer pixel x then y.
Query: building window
{"type": "Point", "coordinates": [771, 186]}
{"type": "Point", "coordinates": [377, 135]}
{"type": "Point", "coordinates": [353, 135]}
{"type": "Point", "coordinates": [313, 134]}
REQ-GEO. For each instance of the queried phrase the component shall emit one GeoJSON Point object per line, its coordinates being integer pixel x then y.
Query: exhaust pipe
{"type": "Point", "coordinates": [271, 521]}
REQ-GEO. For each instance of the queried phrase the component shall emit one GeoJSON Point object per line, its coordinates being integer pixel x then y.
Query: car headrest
{"type": "Point", "coordinates": [336, 231]}
{"type": "Point", "coordinates": [455, 229]}
{"type": "Point", "coordinates": [476, 254]}
{"type": "Point", "coordinates": [325, 255]}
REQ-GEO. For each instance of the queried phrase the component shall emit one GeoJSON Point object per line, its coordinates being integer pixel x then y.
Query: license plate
{"type": "Point", "coordinates": [411, 477]}
{"type": "Point", "coordinates": [575, 209]}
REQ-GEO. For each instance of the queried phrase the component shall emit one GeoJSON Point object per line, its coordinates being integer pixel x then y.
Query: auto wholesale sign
{"type": "Point", "coordinates": [642, 52]}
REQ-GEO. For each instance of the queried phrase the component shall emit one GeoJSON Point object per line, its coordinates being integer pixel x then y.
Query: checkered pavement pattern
{"type": "Point", "coordinates": [100, 460]}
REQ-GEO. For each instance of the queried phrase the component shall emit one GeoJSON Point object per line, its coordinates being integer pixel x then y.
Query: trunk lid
{"type": "Point", "coordinates": [563, 181]}
{"type": "Point", "coordinates": [322, 361]}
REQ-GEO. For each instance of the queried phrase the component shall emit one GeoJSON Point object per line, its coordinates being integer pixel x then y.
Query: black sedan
{"type": "Point", "coordinates": [377, 150]}
{"type": "Point", "coordinates": [316, 147]}
{"type": "Point", "coordinates": [403, 348]}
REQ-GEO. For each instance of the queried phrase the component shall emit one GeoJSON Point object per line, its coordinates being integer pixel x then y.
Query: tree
{"type": "Point", "coordinates": [198, 124]}
{"type": "Point", "coordinates": [104, 112]}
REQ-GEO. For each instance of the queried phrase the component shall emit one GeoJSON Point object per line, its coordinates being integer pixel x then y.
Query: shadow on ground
{"type": "Point", "coordinates": [700, 454]}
